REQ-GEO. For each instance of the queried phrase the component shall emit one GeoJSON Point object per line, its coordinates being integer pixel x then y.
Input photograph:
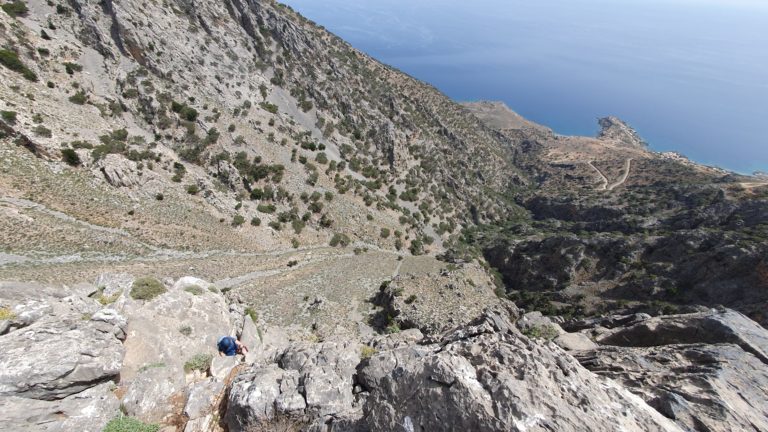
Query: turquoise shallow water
{"type": "Point", "coordinates": [689, 75]}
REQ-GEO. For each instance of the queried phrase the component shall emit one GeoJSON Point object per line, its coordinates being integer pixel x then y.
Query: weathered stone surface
{"type": "Point", "coordinates": [57, 366]}
{"type": "Point", "coordinates": [309, 379]}
{"type": "Point", "coordinates": [706, 371]}
{"type": "Point", "coordinates": [89, 410]}
{"type": "Point", "coordinates": [496, 381]}
{"type": "Point", "coordinates": [114, 283]}
{"type": "Point", "coordinates": [713, 327]}
{"type": "Point", "coordinates": [57, 357]}
{"type": "Point", "coordinates": [200, 398]}
{"type": "Point", "coordinates": [533, 321]}
{"type": "Point", "coordinates": [163, 334]}
{"type": "Point", "coordinates": [574, 342]}
{"type": "Point", "coordinates": [252, 395]}
{"type": "Point", "coordinates": [702, 387]}
{"type": "Point", "coordinates": [149, 395]}
{"type": "Point", "coordinates": [119, 171]}
{"type": "Point", "coordinates": [222, 366]}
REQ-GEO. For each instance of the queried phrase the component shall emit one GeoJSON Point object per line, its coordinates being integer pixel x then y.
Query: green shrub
{"type": "Point", "coordinates": [129, 424]}
{"type": "Point", "coordinates": [15, 8]}
{"type": "Point", "coordinates": [266, 208]}
{"type": "Point", "coordinates": [71, 68]}
{"type": "Point", "coordinates": [184, 111]}
{"type": "Point", "coordinates": [79, 98]}
{"type": "Point", "coordinates": [321, 158]}
{"type": "Point", "coordinates": [185, 330]}
{"type": "Point", "coordinates": [417, 247]}
{"type": "Point", "coordinates": [295, 243]}
{"type": "Point", "coordinates": [392, 329]}
{"type": "Point", "coordinates": [200, 362]}
{"type": "Point", "coordinates": [255, 221]}
{"type": "Point", "coordinates": [340, 240]}
{"type": "Point", "coordinates": [8, 116]}
{"type": "Point", "coordinates": [541, 332]}
{"type": "Point", "coordinates": [42, 131]}
{"type": "Point", "coordinates": [70, 157]}
{"type": "Point", "coordinates": [11, 60]}
{"type": "Point", "coordinates": [251, 312]}
{"type": "Point", "coordinates": [193, 189]}
{"type": "Point", "coordinates": [146, 288]}
{"type": "Point", "coordinates": [385, 233]}
{"type": "Point", "coordinates": [410, 299]}
{"type": "Point", "coordinates": [238, 220]}
{"type": "Point", "coordinates": [272, 108]}
{"type": "Point", "coordinates": [367, 352]}
{"type": "Point", "coordinates": [194, 290]}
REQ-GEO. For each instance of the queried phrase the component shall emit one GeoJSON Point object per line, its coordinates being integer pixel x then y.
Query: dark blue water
{"type": "Point", "coordinates": [689, 75]}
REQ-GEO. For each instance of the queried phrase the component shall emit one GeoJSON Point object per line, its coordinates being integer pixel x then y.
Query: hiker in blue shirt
{"type": "Point", "coordinates": [229, 346]}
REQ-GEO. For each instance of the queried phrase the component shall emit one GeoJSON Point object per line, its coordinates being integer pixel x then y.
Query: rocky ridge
{"type": "Point", "coordinates": [503, 370]}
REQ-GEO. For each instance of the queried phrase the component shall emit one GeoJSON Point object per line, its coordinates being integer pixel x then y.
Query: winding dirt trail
{"type": "Point", "coordinates": [624, 177]}
{"type": "Point", "coordinates": [605, 183]}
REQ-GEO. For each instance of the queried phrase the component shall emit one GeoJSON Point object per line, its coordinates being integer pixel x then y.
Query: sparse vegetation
{"type": "Point", "coordinates": [194, 290]}
{"type": "Point", "coordinates": [238, 220]}
{"type": "Point", "coordinates": [185, 330]}
{"type": "Point", "coordinates": [251, 312]}
{"type": "Point", "coordinates": [42, 131]}
{"type": "Point", "coordinates": [11, 60]}
{"type": "Point", "coordinates": [146, 288]}
{"type": "Point", "coordinates": [15, 8]}
{"type": "Point", "coordinates": [339, 239]}
{"type": "Point", "coordinates": [8, 117]}
{"type": "Point", "coordinates": [152, 366]}
{"type": "Point", "coordinates": [6, 314]}
{"type": "Point", "coordinates": [79, 98]}
{"type": "Point", "coordinates": [200, 362]}
{"type": "Point", "coordinates": [129, 424]}
{"type": "Point", "coordinates": [266, 208]}
{"type": "Point", "coordinates": [367, 352]}
{"type": "Point", "coordinates": [546, 332]}
{"type": "Point", "coordinates": [70, 157]}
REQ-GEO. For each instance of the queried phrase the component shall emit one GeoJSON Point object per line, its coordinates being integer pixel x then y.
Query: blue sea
{"type": "Point", "coordinates": [690, 75]}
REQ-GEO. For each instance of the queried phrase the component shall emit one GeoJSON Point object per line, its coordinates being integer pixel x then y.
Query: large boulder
{"type": "Point", "coordinates": [89, 410]}
{"type": "Point", "coordinates": [163, 335]}
{"type": "Point", "coordinates": [119, 171]}
{"type": "Point", "coordinates": [313, 380]}
{"type": "Point", "coordinates": [59, 358]}
{"type": "Point", "coordinates": [488, 377]}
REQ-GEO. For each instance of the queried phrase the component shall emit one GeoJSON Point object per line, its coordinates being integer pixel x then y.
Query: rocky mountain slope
{"type": "Point", "coordinates": [171, 172]}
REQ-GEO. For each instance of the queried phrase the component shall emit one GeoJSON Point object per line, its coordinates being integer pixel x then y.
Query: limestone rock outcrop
{"type": "Point", "coordinates": [706, 371]}
{"type": "Point", "coordinates": [58, 360]}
